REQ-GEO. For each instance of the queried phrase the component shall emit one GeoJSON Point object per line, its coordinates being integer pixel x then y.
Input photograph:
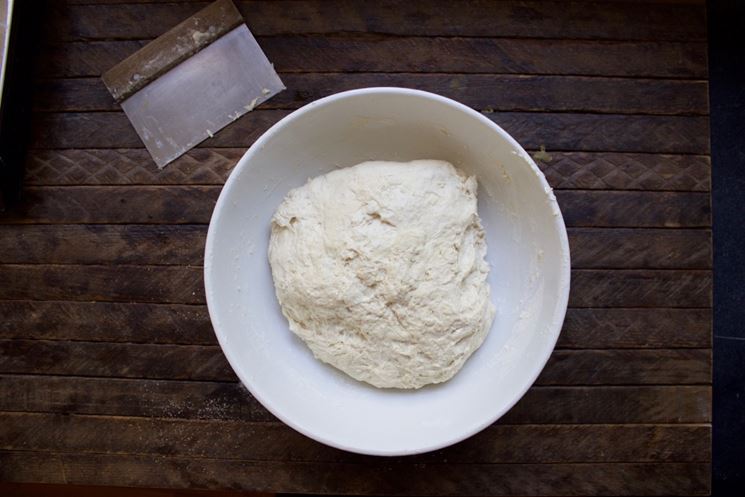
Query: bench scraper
{"type": "Point", "coordinates": [192, 81]}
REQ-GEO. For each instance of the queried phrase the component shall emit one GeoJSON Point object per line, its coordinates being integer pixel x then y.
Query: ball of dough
{"type": "Point", "coordinates": [380, 269]}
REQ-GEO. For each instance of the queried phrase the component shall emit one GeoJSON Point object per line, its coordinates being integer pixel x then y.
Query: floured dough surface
{"type": "Point", "coordinates": [380, 269]}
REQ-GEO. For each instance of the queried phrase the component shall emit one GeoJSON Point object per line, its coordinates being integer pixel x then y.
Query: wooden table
{"type": "Point", "coordinates": [110, 373]}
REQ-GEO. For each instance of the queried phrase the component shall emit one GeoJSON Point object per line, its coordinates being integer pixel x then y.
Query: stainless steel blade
{"type": "Point", "coordinates": [202, 95]}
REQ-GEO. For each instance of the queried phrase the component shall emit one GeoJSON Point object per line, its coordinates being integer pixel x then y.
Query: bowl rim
{"type": "Point", "coordinates": [554, 329]}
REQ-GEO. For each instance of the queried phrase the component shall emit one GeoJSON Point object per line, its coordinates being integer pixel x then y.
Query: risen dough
{"type": "Point", "coordinates": [380, 269]}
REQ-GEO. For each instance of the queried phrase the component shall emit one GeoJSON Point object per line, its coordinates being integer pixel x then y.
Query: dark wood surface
{"type": "Point", "coordinates": [110, 373]}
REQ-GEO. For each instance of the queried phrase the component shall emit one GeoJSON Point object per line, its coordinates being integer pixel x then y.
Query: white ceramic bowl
{"type": "Point", "coordinates": [527, 250]}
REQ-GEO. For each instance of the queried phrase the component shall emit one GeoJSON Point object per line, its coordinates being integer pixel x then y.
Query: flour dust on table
{"type": "Point", "coordinates": [380, 268]}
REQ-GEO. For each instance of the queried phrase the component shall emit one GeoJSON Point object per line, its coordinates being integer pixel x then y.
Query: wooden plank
{"type": "Point", "coordinates": [202, 166]}
{"type": "Point", "coordinates": [640, 288]}
{"type": "Point", "coordinates": [635, 248]}
{"type": "Point", "coordinates": [555, 132]}
{"type": "Point", "coordinates": [607, 133]}
{"type": "Point", "coordinates": [67, 490]}
{"type": "Point", "coordinates": [626, 171]}
{"type": "Point", "coordinates": [168, 284]}
{"type": "Point", "coordinates": [84, 59]}
{"type": "Point", "coordinates": [103, 244]}
{"type": "Point", "coordinates": [194, 204]}
{"type": "Point", "coordinates": [636, 328]}
{"type": "Point", "coordinates": [185, 362]}
{"type": "Point", "coordinates": [379, 53]}
{"type": "Point", "coordinates": [565, 170]}
{"type": "Point", "coordinates": [231, 401]}
{"type": "Point", "coordinates": [193, 362]}
{"type": "Point", "coordinates": [627, 367]}
{"type": "Point", "coordinates": [380, 478]}
{"type": "Point", "coordinates": [110, 322]}
{"type": "Point", "coordinates": [614, 404]}
{"type": "Point", "coordinates": [113, 130]}
{"type": "Point", "coordinates": [481, 18]}
{"type": "Point", "coordinates": [190, 324]}
{"type": "Point", "coordinates": [184, 285]}
{"type": "Point", "coordinates": [481, 91]}
{"type": "Point", "coordinates": [151, 205]}
{"type": "Point", "coordinates": [240, 440]}
{"type": "Point", "coordinates": [184, 245]}
{"type": "Point", "coordinates": [638, 209]}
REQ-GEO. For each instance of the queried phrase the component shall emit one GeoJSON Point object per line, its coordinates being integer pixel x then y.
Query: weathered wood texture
{"type": "Point", "coordinates": [531, 19]}
{"type": "Point", "coordinates": [110, 372]}
{"type": "Point", "coordinates": [193, 205]}
{"type": "Point", "coordinates": [380, 478]}
{"type": "Point", "coordinates": [594, 328]}
{"type": "Point", "coordinates": [166, 244]}
{"type": "Point", "coordinates": [379, 53]}
{"type": "Point", "coordinates": [564, 170]}
{"type": "Point", "coordinates": [228, 400]}
{"type": "Point", "coordinates": [484, 92]}
{"type": "Point", "coordinates": [195, 362]}
{"type": "Point", "coordinates": [554, 131]}
{"type": "Point", "coordinates": [184, 285]}
{"type": "Point", "coordinates": [273, 441]}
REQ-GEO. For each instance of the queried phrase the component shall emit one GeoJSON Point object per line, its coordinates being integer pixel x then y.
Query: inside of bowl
{"type": "Point", "coordinates": [527, 252]}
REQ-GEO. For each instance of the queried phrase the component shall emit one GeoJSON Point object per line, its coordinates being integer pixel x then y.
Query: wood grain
{"type": "Point", "coordinates": [636, 248]}
{"type": "Point", "coordinates": [211, 400]}
{"type": "Point", "coordinates": [180, 362]}
{"type": "Point", "coordinates": [67, 490]}
{"type": "Point", "coordinates": [113, 130]}
{"type": "Point", "coordinates": [627, 171]}
{"type": "Point", "coordinates": [614, 404]}
{"type": "Point", "coordinates": [240, 440]}
{"type": "Point", "coordinates": [192, 362]}
{"type": "Point", "coordinates": [190, 324]}
{"type": "Point", "coordinates": [565, 170]}
{"type": "Point", "coordinates": [607, 133]}
{"type": "Point", "coordinates": [151, 205]}
{"type": "Point", "coordinates": [184, 285]}
{"type": "Point", "coordinates": [481, 18]}
{"type": "Point", "coordinates": [110, 322]}
{"type": "Point", "coordinates": [640, 288]}
{"type": "Point", "coordinates": [380, 53]}
{"type": "Point", "coordinates": [110, 370]}
{"type": "Point", "coordinates": [555, 132]}
{"type": "Point", "coordinates": [143, 244]}
{"type": "Point", "coordinates": [636, 328]}
{"type": "Point", "coordinates": [167, 284]}
{"type": "Point", "coordinates": [627, 367]}
{"type": "Point", "coordinates": [481, 91]}
{"type": "Point", "coordinates": [637, 209]}
{"type": "Point", "coordinates": [193, 205]}
{"type": "Point", "coordinates": [364, 479]}
{"type": "Point", "coordinates": [103, 244]}
{"type": "Point", "coordinates": [200, 166]}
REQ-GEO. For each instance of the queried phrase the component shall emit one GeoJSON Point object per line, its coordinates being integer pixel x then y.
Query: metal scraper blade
{"type": "Point", "coordinates": [201, 95]}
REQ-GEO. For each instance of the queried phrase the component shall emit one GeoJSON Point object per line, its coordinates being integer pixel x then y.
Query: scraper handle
{"type": "Point", "coordinates": [167, 51]}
